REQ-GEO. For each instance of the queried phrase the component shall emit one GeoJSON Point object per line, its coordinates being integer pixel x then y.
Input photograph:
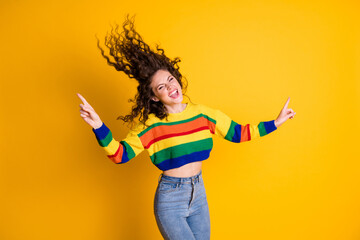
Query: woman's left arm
{"type": "Point", "coordinates": [284, 115]}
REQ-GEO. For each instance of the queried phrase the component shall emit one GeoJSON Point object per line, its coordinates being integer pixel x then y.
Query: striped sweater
{"type": "Point", "coordinates": [186, 137]}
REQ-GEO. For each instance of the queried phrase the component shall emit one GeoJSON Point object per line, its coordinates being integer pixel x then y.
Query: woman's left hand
{"type": "Point", "coordinates": [285, 114]}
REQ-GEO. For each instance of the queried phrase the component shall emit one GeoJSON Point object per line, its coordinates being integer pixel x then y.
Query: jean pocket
{"type": "Point", "coordinates": [167, 187]}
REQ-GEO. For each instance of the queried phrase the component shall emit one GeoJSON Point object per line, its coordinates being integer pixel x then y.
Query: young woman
{"type": "Point", "coordinates": [177, 135]}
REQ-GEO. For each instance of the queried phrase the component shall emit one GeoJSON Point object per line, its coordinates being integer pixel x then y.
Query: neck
{"type": "Point", "coordinates": [176, 108]}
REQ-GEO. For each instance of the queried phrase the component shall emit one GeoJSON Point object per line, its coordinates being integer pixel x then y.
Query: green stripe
{"type": "Point", "coordinates": [230, 134]}
{"type": "Point", "coordinates": [130, 152]}
{"type": "Point", "coordinates": [175, 123]}
{"type": "Point", "coordinates": [182, 149]}
{"type": "Point", "coordinates": [104, 142]}
{"type": "Point", "coordinates": [262, 129]}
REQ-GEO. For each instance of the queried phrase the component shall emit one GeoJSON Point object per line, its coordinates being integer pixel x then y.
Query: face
{"type": "Point", "coordinates": [166, 88]}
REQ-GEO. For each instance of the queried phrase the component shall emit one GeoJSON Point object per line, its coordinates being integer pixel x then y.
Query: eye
{"type": "Point", "coordinates": [160, 88]}
{"type": "Point", "coordinates": [170, 79]}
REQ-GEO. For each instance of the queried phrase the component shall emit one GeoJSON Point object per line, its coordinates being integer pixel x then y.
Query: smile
{"type": "Point", "coordinates": [174, 94]}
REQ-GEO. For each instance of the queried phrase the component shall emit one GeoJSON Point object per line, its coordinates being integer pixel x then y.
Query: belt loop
{"type": "Point", "coordinates": [160, 177]}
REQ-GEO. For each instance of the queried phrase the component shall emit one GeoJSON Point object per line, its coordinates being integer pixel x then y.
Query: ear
{"type": "Point", "coordinates": [155, 99]}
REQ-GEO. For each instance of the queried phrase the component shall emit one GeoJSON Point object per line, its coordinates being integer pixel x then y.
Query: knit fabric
{"type": "Point", "coordinates": [186, 137]}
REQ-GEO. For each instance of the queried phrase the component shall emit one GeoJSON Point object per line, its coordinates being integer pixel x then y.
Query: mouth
{"type": "Point", "coordinates": [174, 94]}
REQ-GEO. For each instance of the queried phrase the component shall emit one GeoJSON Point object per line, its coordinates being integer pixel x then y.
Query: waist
{"type": "Point", "coordinates": [195, 178]}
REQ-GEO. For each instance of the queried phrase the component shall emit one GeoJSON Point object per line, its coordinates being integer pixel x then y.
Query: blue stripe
{"type": "Point", "coordinates": [270, 126]}
{"type": "Point", "coordinates": [185, 159]}
{"type": "Point", "coordinates": [237, 134]}
{"type": "Point", "coordinates": [101, 132]}
{"type": "Point", "coordinates": [124, 157]}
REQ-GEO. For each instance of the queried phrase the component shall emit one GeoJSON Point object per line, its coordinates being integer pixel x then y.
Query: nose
{"type": "Point", "coordinates": [169, 87]}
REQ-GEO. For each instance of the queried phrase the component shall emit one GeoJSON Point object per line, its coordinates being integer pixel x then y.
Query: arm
{"type": "Point", "coordinates": [232, 131]}
{"type": "Point", "coordinates": [118, 152]}
{"type": "Point", "coordinates": [235, 132]}
{"type": "Point", "coordinates": [241, 133]}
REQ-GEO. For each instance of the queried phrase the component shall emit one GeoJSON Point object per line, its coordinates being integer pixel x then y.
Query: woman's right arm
{"type": "Point", "coordinates": [88, 114]}
{"type": "Point", "coordinates": [118, 152]}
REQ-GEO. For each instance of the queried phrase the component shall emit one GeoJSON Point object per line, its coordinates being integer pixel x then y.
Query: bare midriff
{"type": "Point", "coordinates": [187, 170]}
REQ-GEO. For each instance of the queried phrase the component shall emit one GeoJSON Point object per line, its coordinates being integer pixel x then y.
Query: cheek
{"type": "Point", "coordinates": [161, 93]}
{"type": "Point", "coordinates": [178, 84]}
{"type": "Point", "coordinates": [164, 94]}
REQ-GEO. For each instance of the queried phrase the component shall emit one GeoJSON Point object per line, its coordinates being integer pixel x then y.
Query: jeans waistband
{"type": "Point", "coordinates": [195, 178]}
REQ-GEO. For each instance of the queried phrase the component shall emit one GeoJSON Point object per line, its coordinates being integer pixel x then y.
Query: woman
{"type": "Point", "coordinates": [177, 135]}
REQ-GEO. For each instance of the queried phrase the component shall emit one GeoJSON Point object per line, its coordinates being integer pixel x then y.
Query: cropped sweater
{"type": "Point", "coordinates": [186, 137]}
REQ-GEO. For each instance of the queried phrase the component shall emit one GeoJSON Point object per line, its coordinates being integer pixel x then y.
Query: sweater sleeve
{"type": "Point", "coordinates": [232, 131]}
{"type": "Point", "coordinates": [118, 152]}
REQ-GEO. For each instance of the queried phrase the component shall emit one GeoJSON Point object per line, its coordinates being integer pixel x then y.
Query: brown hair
{"type": "Point", "coordinates": [135, 58]}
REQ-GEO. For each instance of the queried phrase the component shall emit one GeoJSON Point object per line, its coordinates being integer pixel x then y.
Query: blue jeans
{"type": "Point", "coordinates": [181, 209]}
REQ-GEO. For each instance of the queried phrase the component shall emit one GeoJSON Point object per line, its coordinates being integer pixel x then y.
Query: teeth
{"type": "Point", "coordinates": [173, 93]}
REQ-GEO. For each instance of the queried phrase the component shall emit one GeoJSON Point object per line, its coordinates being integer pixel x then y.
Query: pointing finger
{"type": "Point", "coordinates": [83, 99]}
{"type": "Point", "coordinates": [287, 103]}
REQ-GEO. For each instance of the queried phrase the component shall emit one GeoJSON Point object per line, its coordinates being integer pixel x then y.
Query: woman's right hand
{"type": "Point", "coordinates": [88, 114]}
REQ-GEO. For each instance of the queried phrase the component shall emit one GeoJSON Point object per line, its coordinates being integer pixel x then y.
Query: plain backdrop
{"type": "Point", "coordinates": [243, 57]}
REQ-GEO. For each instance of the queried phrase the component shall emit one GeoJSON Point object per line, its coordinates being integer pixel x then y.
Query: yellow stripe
{"type": "Point", "coordinates": [254, 131]}
{"type": "Point", "coordinates": [173, 141]}
{"type": "Point", "coordinates": [136, 145]}
{"type": "Point", "coordinates": [112, 147]}
{"type": "Point", "coordinates": [223, 121]}
{"type": "Point", "coordinates": [222, 125]}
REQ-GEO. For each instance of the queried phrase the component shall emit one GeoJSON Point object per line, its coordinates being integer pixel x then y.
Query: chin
{"type": "Point", "coordinates": [179, 99]}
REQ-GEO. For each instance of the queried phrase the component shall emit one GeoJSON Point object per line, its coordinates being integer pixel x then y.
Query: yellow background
{"type": "Point", "coordinates": [243, 57]}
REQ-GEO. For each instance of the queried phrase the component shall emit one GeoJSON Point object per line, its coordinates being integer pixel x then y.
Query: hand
{"type": "Point", "coordinates": [88, 114]}
{"type": "Point", "coordinates": [285, 114]}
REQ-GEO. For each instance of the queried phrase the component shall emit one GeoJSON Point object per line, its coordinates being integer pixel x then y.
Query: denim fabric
{"type": "Point", "coordinates": [181, 209]}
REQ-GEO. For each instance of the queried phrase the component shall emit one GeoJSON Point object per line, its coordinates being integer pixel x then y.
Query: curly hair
{"type": "Point", "coordinates": [136, 59]}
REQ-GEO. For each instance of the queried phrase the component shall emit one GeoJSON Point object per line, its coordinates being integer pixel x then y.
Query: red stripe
{"type": "Point", "coordinates": [117, 157]}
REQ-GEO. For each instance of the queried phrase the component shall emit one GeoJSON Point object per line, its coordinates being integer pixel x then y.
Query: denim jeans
{"type": "Point", "coordinates": [181, 209]}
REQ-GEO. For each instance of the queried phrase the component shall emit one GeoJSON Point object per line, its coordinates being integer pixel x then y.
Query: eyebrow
{"type": "Point", "coordinates": [162, 83]}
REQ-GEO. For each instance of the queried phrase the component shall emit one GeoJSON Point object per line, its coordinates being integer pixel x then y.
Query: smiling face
{"type": "Point", "coordinates": [167, 89]}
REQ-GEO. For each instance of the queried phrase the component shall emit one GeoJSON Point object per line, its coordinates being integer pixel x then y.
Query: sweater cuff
{"type": "Point", "coordinates": [270, 126]}
{"type": "Point", "coordinates": [101, 132]}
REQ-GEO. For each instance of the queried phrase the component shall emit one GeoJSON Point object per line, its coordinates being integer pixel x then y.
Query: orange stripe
{"type": "Point", "coordinates": [116, 158]}
{"type": "Point", "coordinates": [167, 131]}
{"type": "Point", "coordinates": [245, 133]}
{"type": "Point", "coordinates": [212, 127]}
{"type": "Point", "coordinates": [175, 135]}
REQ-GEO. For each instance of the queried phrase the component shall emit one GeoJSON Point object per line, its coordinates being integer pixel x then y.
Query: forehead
{"type": "Point", "coordinates": [160, 76]}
